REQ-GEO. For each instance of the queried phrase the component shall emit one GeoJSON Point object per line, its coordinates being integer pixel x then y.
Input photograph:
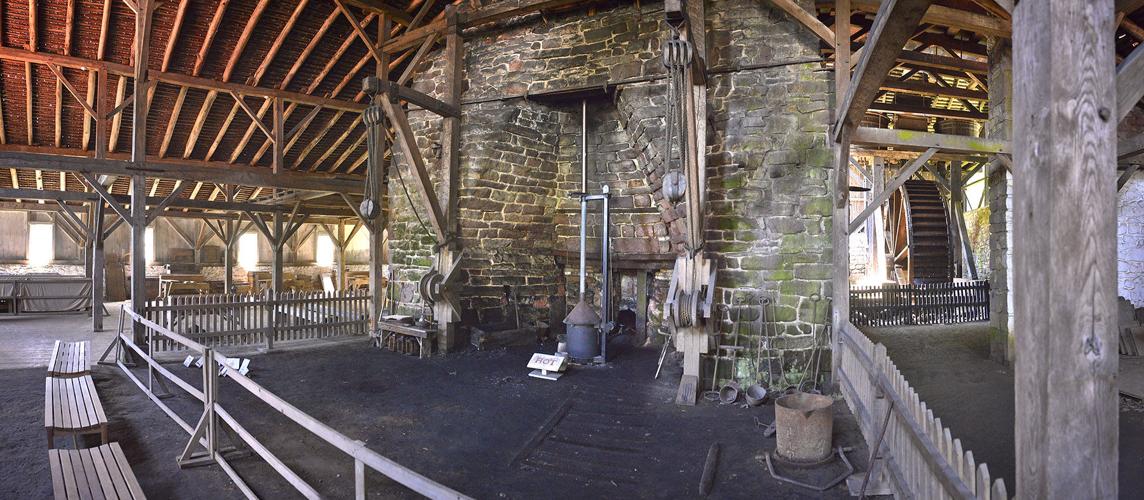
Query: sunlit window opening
{"type": "Point", "coordinates": [248, 250]}
{"type": "Point", "coordinates": [325, 252]}
{"type": "Point", "coordinates": [149, 245]}
{"type": "Point", "coordinates": [41, 244]}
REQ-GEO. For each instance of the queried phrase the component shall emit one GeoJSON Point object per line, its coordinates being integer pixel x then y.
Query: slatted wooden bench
{"type": "Point", "coordinates": [69, 359]}
{"type": "Point", "coordinates": [72, 406]}
{"type": "Point", "coordinates": [100, 472]}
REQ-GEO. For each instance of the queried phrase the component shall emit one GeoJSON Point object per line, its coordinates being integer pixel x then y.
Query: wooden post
{"type": "Point", "coordinates": [878, 221]}
{"type": "Point", "coordinates": [1064, 249]}
{"type": "Point", "coordinates": [279, 139]}
{"type": "Point", "coordinates": [139, 109]}
{"type": "Point", "coordinates": [98, 265]}
{"type": "Point", "coordinates": [340, 256]}
{"type": "Point", "coordinates": [956, 208]}
{"type": "Point", "coordinates": [447, 319]}
{"type": "Point", "coordinates": [138, 225]}
{"type": "Point", "coordinates": [840, 313]}
{"type": "Point", "coordinates": [229, 239]}
{"type": "Point", "coordinates": [376, 227]}
{"type": "Point", "coordinates": [277, 243]}
{"type": "Point", "coordinates": [101, 109]}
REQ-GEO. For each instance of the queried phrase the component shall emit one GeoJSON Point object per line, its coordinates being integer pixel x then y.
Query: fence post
{"type": "Point", "coordinates": [272, 299]}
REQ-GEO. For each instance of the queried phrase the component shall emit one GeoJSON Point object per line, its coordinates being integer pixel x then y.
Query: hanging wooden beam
{"type": "Point", "coordinates": [903, 176]}
{"type": "Point", "coordinates": [896, 21]}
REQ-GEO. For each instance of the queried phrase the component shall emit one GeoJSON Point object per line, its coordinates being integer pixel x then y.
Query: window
{"type": "Point", "coordinates": [248, 250]}
{"type": "Point", "coordinates": [324, 255]}
{"type": "Point", "coordinates": [41, 244]}
{"type": "Point", "coordinates": [149, 245]}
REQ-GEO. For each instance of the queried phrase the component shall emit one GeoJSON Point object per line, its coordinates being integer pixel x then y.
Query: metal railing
{"type": "Point", "coordinates": [925, 304]}
{"type": "Point", "coordinates": [921, 456]}
{"type": "Point", "coordinates": [205, 433]}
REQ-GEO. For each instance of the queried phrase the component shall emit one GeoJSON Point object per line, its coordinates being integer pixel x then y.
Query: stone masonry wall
{"type": "Point", "coordinates": [769, 209]}
{"type": "Point", "coordinates": [1000, 193]}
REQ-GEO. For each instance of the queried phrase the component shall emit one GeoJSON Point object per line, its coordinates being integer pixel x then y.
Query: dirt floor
{"type": "Point", "coordinates": [950, 368]}
{"type": "Point", "coordinates": [473, 421]}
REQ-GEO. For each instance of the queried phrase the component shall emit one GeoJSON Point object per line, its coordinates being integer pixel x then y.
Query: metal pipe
{"type": "Point", "coordinates": [583, 194]}
{"type": "Point", "coordinates": [605, 276]}
{"type": "Point", "coordinates": [584, 146]}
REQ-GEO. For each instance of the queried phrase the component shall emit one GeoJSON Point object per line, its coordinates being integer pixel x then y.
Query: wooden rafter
{"type": "Point", "coordinates": [209, 37]}
{"type": "Point", "coordinates": [896, 21]}
{"type": "Point", "coordinates": [180, 14]}
{"type": "Point", "coordinates": [341, 138]}
{"type": "Point", "coordinates": [244, 38]}
{"type": "Point", "coordinates": [200, 120]}
{"type": "Point", "coordinates": [278, 41]}
{"type": "Point", "coordinates": [172, 122]}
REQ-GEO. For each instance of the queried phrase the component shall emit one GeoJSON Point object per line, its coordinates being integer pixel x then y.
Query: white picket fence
{"type": "Point", "coordinates": [262, 319]}
{"type": "Point", "coordinates": [921, 456]}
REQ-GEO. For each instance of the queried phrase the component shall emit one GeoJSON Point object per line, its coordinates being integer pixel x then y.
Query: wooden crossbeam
{"type": "Point", "coordinates": [357, 27]}
{"type": "Point", "coordinates": [253, 116]}
{"type": "Point", "coordinates": [106, 195]}
{"type": "Point", "coordinates": [893, 186]}
{"type": "Point", "coordinates": [1129, 148]}
{"type": "Point", "coordinates": [166, 202]}
{"type": "Point", "coordinates": [1126, 176]}
{"type": "Point", "coordinates": [806, 19]}
{"type": "Point", "coordinates": [941, 15]}
{"type": "Point", "coordinates": [896, 21]}
{"type": "Point", "coordinates": [1129, 82]}
{"type": "Point", "coordinates": [908, 139]}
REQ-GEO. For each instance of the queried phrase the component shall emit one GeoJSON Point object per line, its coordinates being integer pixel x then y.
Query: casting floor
{"type": "Point", "coordinates": [950, 368]}
{"type": "Point", "coordinates": [473, 421]}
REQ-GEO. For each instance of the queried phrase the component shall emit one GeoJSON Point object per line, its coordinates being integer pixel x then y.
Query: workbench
{"type": "Point", "coordinates": [391, 333]}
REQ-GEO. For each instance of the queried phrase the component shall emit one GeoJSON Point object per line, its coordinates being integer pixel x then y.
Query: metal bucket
{"type": "Point", "coordinates": [583, 342]}
{"type": "Point", "coordinates": [804, 424]}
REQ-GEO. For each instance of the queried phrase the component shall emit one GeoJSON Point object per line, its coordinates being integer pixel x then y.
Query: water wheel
{"type": "Point", "coordinates": [917, 234]}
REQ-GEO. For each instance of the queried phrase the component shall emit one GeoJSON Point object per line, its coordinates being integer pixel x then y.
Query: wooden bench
{"type": "Point", "coordinates": [100, 472]}
{"type": "Point", "coordinates": [69, 359]}
{"type": "Point", "coordinates": [72, 406]}
{"type": "Point", "coordinates": [391, 332]}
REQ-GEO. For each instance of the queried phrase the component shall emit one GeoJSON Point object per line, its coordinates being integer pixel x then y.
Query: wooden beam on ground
{"type": "Point", "coordinates": [903, 176]}
{"type": "Point", "coordinates": [1129, 82]}
{"type": "Point", "coordinates": [1064, 250]}
{"type": "Point", "coordinates": [896, 21]}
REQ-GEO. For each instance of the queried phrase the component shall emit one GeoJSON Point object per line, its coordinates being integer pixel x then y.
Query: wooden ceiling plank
{"type": "Point", "coordinates": [172, 41]}
{"type": "Point", "coordinates": [244, 38]}
{"type": "Point", "coordinates": [346, 154]}
{"type": "Point", "coordinates": [104, 29]}
{"type": "Point", "coordinates": [172, 122]}
{"type": "Point", "coordinates": [200, 120]}
{"type": "Point", "coordinates": [208, 38]}
{"type": "Point", "coordinates": [277, 44]}
{"type": "Point", "coordinates": [341, 138]}
{"type": "Point", "coordinates": [317, 139]}
{"type": "Point", "coordinates": [222, 131]}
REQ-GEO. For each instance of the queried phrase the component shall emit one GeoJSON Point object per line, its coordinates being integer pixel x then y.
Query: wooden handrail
{"type": "Point", "coordinates": [355, 449]}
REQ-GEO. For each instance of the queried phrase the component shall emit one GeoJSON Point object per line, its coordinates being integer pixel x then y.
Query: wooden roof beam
{"type": "Point", "coordinates": [180, 14]}
{"type": "Point", "coordinates": [1129, 82]}
{"type": "Point", "coordinates": [379, 7]}
{"type": "Point", "coordinates": [244, 38]}
{"type": "Point", "coordinates": [179, 79]}
{"type": "Point", "coordinates": [277, 44]}
{"type": "Point", "coordinates": [208, 38]}
{"type": "Point", "coordinates": [944, 16]}
{"type": "Point", "coordinates": [911, 140]}
{"type": "Point", "coordinates": [896, 21]}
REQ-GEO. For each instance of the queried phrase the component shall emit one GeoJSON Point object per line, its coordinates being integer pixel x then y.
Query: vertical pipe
{"type": "Point", "coordinates": [605, 275]}
{"type": "Point", "coordinates": [583, 193]}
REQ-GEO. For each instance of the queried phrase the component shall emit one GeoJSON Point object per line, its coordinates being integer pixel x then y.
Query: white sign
{"type": "Point", "coordinates": [547, 362]}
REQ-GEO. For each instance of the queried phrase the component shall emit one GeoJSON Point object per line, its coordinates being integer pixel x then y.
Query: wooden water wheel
{"type": "Point", "coordinates": [917, 234]}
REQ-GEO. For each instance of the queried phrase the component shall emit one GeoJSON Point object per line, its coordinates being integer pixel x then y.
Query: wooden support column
{"type": "Point", "coordinates": [956, 207]}
{"type": "Point", "coordinates": [877, 225]}
{"type": "Point", "coordinates": [378, 186]}
{"type": "Point", "coordinates": [1064, 249]}
{"type": "Point", "coordinates": [138, 223]}
{"type": "Point", "coordinates": [277, 242]}
{"type": "Point", "coordinates": [840, 281]}
{"type": "Point", "coordinates": [447, 319]}
{"type": "Point", "coordinates": [229, 239]}
{"type": "Point", "coordinates": [98, 265]}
